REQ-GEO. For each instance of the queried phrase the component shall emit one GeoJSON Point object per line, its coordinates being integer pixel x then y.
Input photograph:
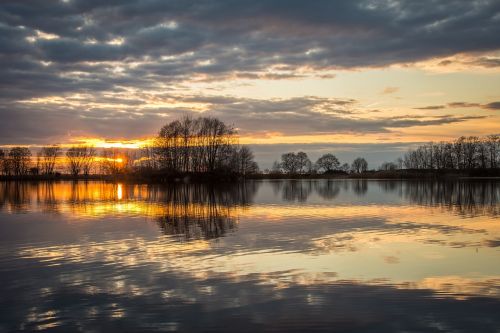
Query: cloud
{"type": "Point", "coordinates": [177, 40]}
{"type": "Point", "coordinates": [431, 107]}
{"type": "Point", "coordinates": [492, 242]}
{"type": "Point", "coordinates": [463, 105]}
{"type": "Point", "coordinates": [118, 68]}
{"type": "Point", "coordinates": [140, 115]}
{"type": "Point", "coordinates": [457, 105]}
{"type": "Point", "coordinates": [492, 106]}
{"type": "Point", "coordinates": [389, 90]}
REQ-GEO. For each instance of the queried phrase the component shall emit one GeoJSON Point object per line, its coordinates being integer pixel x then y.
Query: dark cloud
{"type": "Point", "coordinates": [492, 106]}
{"type": "Point", "coordinates": [489, 106]}
{"type": "Point", "coordinates": [41, 122]}
{"type": "Point", "coordinates": [169, 39]}
{"type": "Point", "coordinates": [487, 62]}
{"type": "Point", "coordinates": [432, 107]}
{"type": "Point", "coordinates": [463, 105]}
{"type": "Point", "coordinates": [113, 52]}
{"type": "Point", "coordinates": [492, 242]}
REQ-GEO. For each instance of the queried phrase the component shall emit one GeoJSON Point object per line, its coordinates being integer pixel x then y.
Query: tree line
{"type": "Point", "coordinates": [187, 145]}
{"type": "Point", "coordinates": [52, 160]}
{"type": "Point", "coordinates": [299, 163]}
{"type": "Point", "coordinates": [464, 153]}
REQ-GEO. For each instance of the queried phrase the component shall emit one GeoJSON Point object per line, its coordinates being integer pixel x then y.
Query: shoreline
{"type": "Point", "coordinates": [474, 174]}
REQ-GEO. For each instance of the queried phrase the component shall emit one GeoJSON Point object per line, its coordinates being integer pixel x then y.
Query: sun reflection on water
{"type": "Point", "coordinates": [120, 250]}
{"type": "Point", "coordinates": [119, 191]}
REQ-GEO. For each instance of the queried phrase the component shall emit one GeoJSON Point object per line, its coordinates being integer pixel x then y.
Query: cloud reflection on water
{"type": "Point", "coordinates": [392, 256]}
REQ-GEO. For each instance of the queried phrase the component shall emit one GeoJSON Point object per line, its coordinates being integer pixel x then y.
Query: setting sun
{"type": "Point", "coordinates": [250, 165]}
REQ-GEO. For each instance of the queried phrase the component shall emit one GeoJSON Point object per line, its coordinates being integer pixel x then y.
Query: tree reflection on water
{"type": "Point", "coordinates": [315, 255]}
{"type": "Point", "coordinates": [202, 212]}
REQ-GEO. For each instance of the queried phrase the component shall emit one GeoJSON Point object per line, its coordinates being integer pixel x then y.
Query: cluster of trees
{"type": "Point", "coordinates": [299, 163]}
{"type": "Point", "coordinates": [202, 145]}
{"type": "Point", "coordinates": [49, 160]}
{"type": "Point", "coordinates": [464, 153]}
{"type": "Point", "coordinates": [17, 161]}
{"type": "Point", "coordinates": [199, 145]}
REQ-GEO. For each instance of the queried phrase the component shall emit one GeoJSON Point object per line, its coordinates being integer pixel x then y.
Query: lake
{"type": "Point", "coordinates": [305, 255]}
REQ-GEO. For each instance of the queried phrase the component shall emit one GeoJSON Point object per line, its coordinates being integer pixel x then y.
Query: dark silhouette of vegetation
{"type": "Point", "coordinates": [359, 165]}
{"type": "Point", "coordinates": [80, 159]}
{"type": "Point", "coordinates": [327, 163]}
{"type": "Point", "coordinates": [465, 153]}
{"type": "Point", "coordinates": [205, 148]}
{"type": "Point", "coordinates": [17, 162]}
{"type": "Point", "coordinates": [201, 148]}
{"type": "Point", "coordinates": [47, 158]}
{"type": "Point", "coordinates": [293, 164]}
{"type": "Point", "coordinates": [466, 157]}
{"type": "Point", "coordinates": [196, 146]}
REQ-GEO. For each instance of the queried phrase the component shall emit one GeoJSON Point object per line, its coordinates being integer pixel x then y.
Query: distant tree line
{"type": "Point", "coordinates": [299, 163]}
{"type": "Point", "coordinates": [188, 145]}
{"type": "Point", "coordinates": [470, 152]}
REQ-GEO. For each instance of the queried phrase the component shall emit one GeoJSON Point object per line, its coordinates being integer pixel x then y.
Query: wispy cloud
{"type": "Point", "coordinates": [389, 90]}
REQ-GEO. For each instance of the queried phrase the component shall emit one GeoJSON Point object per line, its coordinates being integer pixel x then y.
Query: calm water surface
{"type": "Point", "coordinates": [347, 256]}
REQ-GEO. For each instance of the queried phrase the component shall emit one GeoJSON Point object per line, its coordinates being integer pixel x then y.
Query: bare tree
{"type": "Point", "coordinates": [80, 159]}
{"type": "Point", "coordinates": [246, 163]}
{"type": "Point", "coordinates": [88, 160]}
{"type": "Point", "coordinates": [197, 145]}
{"type": "Point", "coordinates": [20, 160]}
{"type": "Point", "coordinates": [289, 163]}
{"type": "Point", "coordinates": [276, 168]}
{"type": "Point", "coordinates": [47, 157]}
{"type": "Point", "coordinates": [359, 165]}
{"type": "Point", "coordinates": [3, 159]}
{"type": "Point", "coordinates": [345, 167]}
{"type": "Point", "coordinates": [388, 166]}
{"type": "Point", "coordinates": [328, 163]}
{"type": "Point", "coordinates": [303, 163]}
{"type": "Point", "coordinates": [493, 149]}
{"type": "Point", "coordinates": [464, 153]}
{"type": "Point", "coordinates": [112, 161]}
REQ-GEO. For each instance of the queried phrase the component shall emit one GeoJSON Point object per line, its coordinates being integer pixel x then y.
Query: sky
{"type": "Point", "coordinates": [353, 78]}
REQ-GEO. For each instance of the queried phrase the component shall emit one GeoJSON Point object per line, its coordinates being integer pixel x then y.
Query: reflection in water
{"type": "Point", "coordinates": [190, 211]}
{"type": "Point", "coordinates": [325, 255]}
{"type": "Point", "coordinates": [198, 211]}
{"type": "Point", "coordinates": [360, 186]}
{"type": "Point", "coordinates": [463, 197]}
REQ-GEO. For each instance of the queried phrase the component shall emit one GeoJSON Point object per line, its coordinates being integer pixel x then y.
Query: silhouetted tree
{"type": "Point", "coordinates": [47, 157]}
{"type": "Point", "coordinates": [80, 159]}
{"type": "Point", "coordinates": [388, 166]}
{"type": "Point", "coordinates": [289, 163]}
{"type": "Point", "coordinates": [345, 167]}
{"type": "Point", "coordinates": [359, 165]}
{"type": "Point", "coordinates": [20, 159]}
{"type": "Point", "coordinates": [112, 161]}
{"type": "Point", "coordinates": [203, 144]}
{"type": "Point", "coordinates": [464, 153]}
{"type": "Point", "coordinates": [246, 163]}
{"type": "Point", "coordinates": [304, 165]}
{"type": "Point", "coordinates": [4, 169]}
{"type": "Point", "coordinates": [276, 168]}
{"type": "Point", "coordinates": [328, 163]}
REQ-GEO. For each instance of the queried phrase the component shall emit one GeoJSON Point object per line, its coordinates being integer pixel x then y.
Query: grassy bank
{"type": "Point", "coordinates": [153, 177]}
{"type": "Point", "coordinates": [390, 174]}
{"type": "Point", "coordinates": [159, 177]}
